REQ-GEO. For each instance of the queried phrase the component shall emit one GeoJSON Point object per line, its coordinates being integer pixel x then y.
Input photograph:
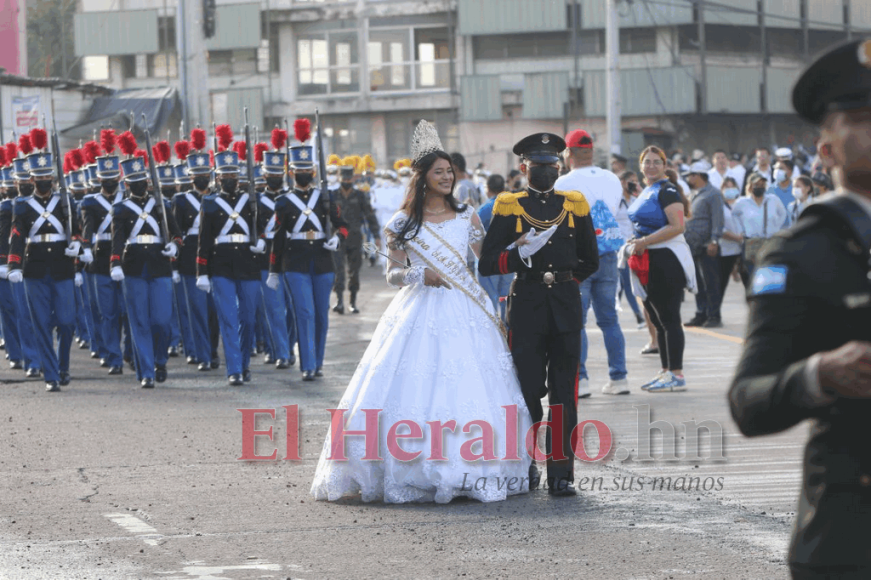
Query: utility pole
{"type": "Point", "coordinates": [703, 81]}
{"type": "Point", "coordinates": [193, 63]}
{"type": "Point", "coordinates": [612, 73]}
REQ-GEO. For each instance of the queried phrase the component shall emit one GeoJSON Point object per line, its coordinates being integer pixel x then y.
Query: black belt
{"type": "Point", "coordinates": [546, 277]}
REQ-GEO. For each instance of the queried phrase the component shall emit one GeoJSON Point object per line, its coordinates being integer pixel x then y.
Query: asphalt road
{"type": "Point", "coordinates": [106, 480]}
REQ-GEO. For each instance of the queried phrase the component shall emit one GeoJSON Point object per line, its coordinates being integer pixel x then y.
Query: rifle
{"type": "Point", "coordinates": [61, 183]}
{"type": "Point", "coordinates": [252, 193]}
{"type": "Point", "coordinates": [322, 173]}
{"type": "Point", "coordinates": [155, 181]}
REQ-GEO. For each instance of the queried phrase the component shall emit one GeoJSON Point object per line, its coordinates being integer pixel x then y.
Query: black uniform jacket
{"type": "Point", "coordinates": [811, 294]}
{"type": "Point", "coordinates": [297, 255]}
{"type": "Point", "coordinates": [5, 227]}
{"type": "Point", "coordinates": [133, 257]}
{"type": "Point", "coordinates": [356, 210]}
{"type": "Point", "coordinates": [38, 258]}
{"type": "Point", "coordinates": [186, 213]}
{"type": "Point", "coordinates": [266, 223]}
{"type": "Point", "coordinates": [572, 248]}
{"type": "Point", "coordinates": [228, 260]}
{"type": "Point", "coordinates": [93, 213]}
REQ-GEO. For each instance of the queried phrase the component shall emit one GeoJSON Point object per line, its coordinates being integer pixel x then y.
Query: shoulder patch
{"type": "Point", "coordinates": [769, 280]}
{"type": "Point", "coordinates": [575, 202]}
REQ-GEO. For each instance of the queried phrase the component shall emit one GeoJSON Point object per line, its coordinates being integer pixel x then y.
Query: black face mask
{"type": "Point", "coordinates": [347, 185]}
{"type": "Point", "coordinates": [25, 188]}
{"type": "Point", "coordinates": [110, 186]}
{"type": "Point", "coordinates": [229, 185]}
{"type": "Point", "coordinates": [168, 191]}
{"type": "Point", "coordinates": [201, 182]}
{"type": "Point", "coordinates": [758, 191]}
{"type": "Point", "coordinates": [542, 177]}
{"type": "Point", "coordinates": [631, 187]}
{"type": "Point", "coordinates": [274, 182]}
{"type": "Point", "coordinates": [137, 188]}
{"type": "Point", "coordinates": [43, 186]}
{"type": "Point", "coordinates": [303, 179]}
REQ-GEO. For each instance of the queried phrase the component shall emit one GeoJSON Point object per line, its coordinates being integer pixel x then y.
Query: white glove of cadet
{"type": "Point", "coordinates": [203, 283]}
{"type": "Point", "coordinates": [333, 243]}
{"type": "Point", "coordinates": [4, 271]}
{"type": "Point", "coordinates": [87, 256]}
{"type": "Point", "coordinates": [116, 273]}
{"type": "Point", "coordinates": [272, 281]}
{"type": "Point", "coordinates": [73, 249]}
{"type": "Point", "coordinates": [176, 277]}
{"type": "Point", "coordinates": [170, 250]}
{"type": "Point", "coordinates": [259, 247]}
{"type": "Point", "coordinates": [15, 276]}
{"type": "Point", "coordinates": [535, 241]}
{"type": "Point", "coordinates": [79, 280]}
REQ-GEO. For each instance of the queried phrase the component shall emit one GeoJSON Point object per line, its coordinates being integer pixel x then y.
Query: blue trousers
{"type": "Point", "coordinates": [195, 305]}
{"type": "Point", "coordinates": [83, 327]}
{"type": "Point", "coordinates": [601, 290]}
{"type": "Point", "coordinates": [275, 318]}
{"type": "Point", "coordinates": [236, 306]}
{"type": "Point", "coordinates": [311, 305]}
{"type": "Point", "coordinates": [110, 298]}
{"type": "Point", "coordinates": [52, 306]}
{"type": "Point", "coordinates": [26, 336]}
{"type": "Point", "coordinates": [89, 290]}
{"type": "Point", "coordinates": [626, 285]}
{"type": "Point", "coordinates": [290, 320]}
{"type": "Point", "coordinates": [174, 321]}
{"type": "Point", "coordinates": [149, 309]}
{"type": "Point", "coordinates": [9, 320]}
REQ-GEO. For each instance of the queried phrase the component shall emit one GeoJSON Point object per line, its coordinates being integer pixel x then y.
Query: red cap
{"type": "Point", "coordinates": [579, 138]}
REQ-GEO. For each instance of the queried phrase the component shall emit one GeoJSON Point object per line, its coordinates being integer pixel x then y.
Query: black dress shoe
{"type": "Point", "coordinates": [267, 359]}
{"type": "Point", "coordinates": [173, 351]}
{"type": "Point", "coordinates": [32, 373]}
{"type": "Point", "coordinates": [204, 366]}
{"type": "Point", "coordinates": [104, 363]}
{"type": "Point", "coordinates": [696, 321]}
{"type": "Point", "coordinates": [215, 363]}
{"type": "Point", "coordinates": [319, 373]}
{"type": "Point", "coordinates": [160, 373]}
{"type": "Point", "coordinates": [246, 375]}
{"type": "Point", "coordinates": [281, 364]}
{"type": "Point", "coordinates": [308, 376]}
{"type": "Point", "coordinates": [566, 490]}
{"type": "Point", "coordinates": [713, 323]}
{"type": "Point", "coordinates": [131, 364]}
{"type": "Point", "coordinates": [147, 383]}
{"type": "Point", "coordinates": [339, 308]}
{"type": "Point", "coordinates": [119, 370]}
{"type": "Point", "coordinates": [95, 354]}
{"type": "Point", "coordinates": [534, 477]}
{"type": "Point", "coordinates": [65, 378]}
{"type": "Point", "coordinates": [235, 380]}
{"type": "Point", "coordinates": [84, 345]}
{"type": "Point", "coordinates": [52, 387]}
{"type": "Point", "coordinates": [16, 365]}
{"type": "Point", "coordinates": [261, 347]}
{"type": "Point", "coordinates": [354, 309]}
{"type": "Point", "coordinates": [192, 360]}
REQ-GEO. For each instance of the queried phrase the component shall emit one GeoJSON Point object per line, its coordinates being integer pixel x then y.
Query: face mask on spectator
{"type": "Point", "coordinates": [780, 175]}
{"type": "Point", "coordinates": [730, 193]}
{"type": "Point", "coordinates": [759, 191]}
{"type": "Point", "coordinates": [797, 193]}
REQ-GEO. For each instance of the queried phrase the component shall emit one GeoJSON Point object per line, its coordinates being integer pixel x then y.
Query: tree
{"type": "Point", "coordinates": [50, 40]}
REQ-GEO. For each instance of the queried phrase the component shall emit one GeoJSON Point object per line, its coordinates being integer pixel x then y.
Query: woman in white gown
{"type": "Point", "coordinates": [437, 354]}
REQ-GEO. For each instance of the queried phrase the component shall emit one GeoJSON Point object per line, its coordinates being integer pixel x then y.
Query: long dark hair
{"type": "Point", "coordinates": [416, 193]}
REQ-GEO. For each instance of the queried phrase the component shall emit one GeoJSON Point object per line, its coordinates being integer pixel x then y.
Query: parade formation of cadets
{"type": "Point", "coordinates": [100, 267]}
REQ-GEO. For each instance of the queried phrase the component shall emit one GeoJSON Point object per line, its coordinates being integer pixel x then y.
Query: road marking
{"type": "Point", "coordinates": [203, 572]}
{"type": "Point", "coordinates": [719, 335]}
{"type": "Point", "coordinates": [136, 526]}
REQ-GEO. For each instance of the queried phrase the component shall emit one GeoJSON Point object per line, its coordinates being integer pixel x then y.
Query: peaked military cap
{"type": "Point", "coordinates": [837, 80]}
{"type": "Point", "coordinates": [540, 148]}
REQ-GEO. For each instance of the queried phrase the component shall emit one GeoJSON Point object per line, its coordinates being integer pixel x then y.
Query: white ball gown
{"type": "Point", "coordinates": [437, 354]}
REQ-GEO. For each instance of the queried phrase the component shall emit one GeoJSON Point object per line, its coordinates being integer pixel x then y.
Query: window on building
{"type": "Point", "coordinates": [531, 45]}
{"type": "Point", "coordinates": [141, 66]}
{"type": "Point", "coordinates": [389, 55]}
{"type": "Point", "coordinates": [166, 34]}
{"type": "Point", "coordinates": [637, 40]}
{"type": "Point", "coordinates": [164, 65]}
{"type": "Point", "coordinates": [819, 40]}
{"type": "Point", "coordinates": [328, 63]}
{"type": "Point", "coordinates": [591, 42]}
{"type": "Point", "coordinates": [244, 62]}
{"type": "Point", "coordinates": [95, 68]}
{"type": "Point", "coordinates": [220, 63]}
{"type": "Point", "coordinates": [432, 52]}
{"type": "Point", "coordinates": [721, 38]}
{"type": "Point", "coordinates": [267, 54]}
{"type": "Point", "coordinates": [783, 42]}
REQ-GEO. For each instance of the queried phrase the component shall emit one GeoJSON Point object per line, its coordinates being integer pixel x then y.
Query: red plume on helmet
{"type": "Point", "coordinates": [279, 138]}
{"type": "Point", "coordinates": [25, 145]}
{"type": "Point", "coordinates": [142, 153]}
{"type": "Point", "coordinates": [198, 139]}
{"type": "Point", "coordinates": [211, 158]}
{"type": "Point", "coordinates": [182, 149]}
{"type": "Point", "coordinates": [225, 136]}
{"type": "Point", "coordinates": [3, 161]}
{"type": "Point", "coordinates": [259, 150]}
{"type": "Point", "coordinates": [68, 163]}
{"type": "Point", "coordinates": [302, 130]}
{"type": "Point", "coordinates": [161, 152]}
{"type": "Point", "coordinates": [39, 138]}
{"type": "Point", "coordinates": [11, 151]}
{"type": "Point", "coordinates": [78, 158]}
{"type": "Point", "coordinates": [92, 151]}
{"type": "Point", "coordinates": [241, 149]}
{"type": "Point", "coordinates": [107, 140]}
{"type": "Point", "coordinates": [126, 143]}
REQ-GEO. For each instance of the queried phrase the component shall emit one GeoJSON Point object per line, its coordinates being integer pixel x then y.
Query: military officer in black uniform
{"type": "Point", "coordinates": [355, 208]}
{"type": "Point", "coordinates": [544, 307]}
{"type": "Point", "coordinates": [808, 349]}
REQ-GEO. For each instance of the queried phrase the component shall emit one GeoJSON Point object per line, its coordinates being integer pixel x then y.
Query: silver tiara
{"type": "Point", "coordinates": [424, 141]}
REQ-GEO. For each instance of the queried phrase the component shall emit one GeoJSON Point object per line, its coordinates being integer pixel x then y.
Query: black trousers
{"type": "Point", "coordinates": [834, 572]}
{"type": "Point", "coordinates": [665, 284]}
{"type": "Point", "coordinates": [547, 364]}
{"type": "Point", "coordinates": [727, 263]}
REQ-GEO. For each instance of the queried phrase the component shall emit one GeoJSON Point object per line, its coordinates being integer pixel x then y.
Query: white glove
{"type": "Point", "coordinates": [259, 247]}
{"type": "Point", "coordinates": [15, 276]}
{"type": "Point", "coordinates": [333, 243]}
{"type": "Point", "coordinates": [73, 249]}
{"type": "Point", "coordinates": [203, 283]}
{"type": "Point", "coordinates": [170, 250]}
{"type": "Point", "coordinates": [535, 241]}
{"type": "Point", "coordinates": [272, 281]}
{"type": "Point", "coordinates": [116, 273]}
{"type": "Point", "coordinates": [79, 280]}
{"type": "Point", "coordinates": [87, 256]}
{"type": "Point", "coordinates": [176, 277]}
{"type": "Point", "coordinates": [4, 272]}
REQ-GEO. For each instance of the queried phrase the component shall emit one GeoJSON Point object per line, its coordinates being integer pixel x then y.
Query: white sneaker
{"type": "Point", "coordinates": [619, 387]}
{"type": "Point", "coordinates": [583, 388]}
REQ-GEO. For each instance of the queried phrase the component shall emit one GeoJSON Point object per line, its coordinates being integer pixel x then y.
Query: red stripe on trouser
{"type": "Point", "coordinates": [577, 377]}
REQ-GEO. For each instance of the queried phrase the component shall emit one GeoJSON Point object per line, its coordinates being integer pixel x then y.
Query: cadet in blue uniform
{"type": "Point", "coordinates": [41, 255]}
{"type": "Point", "coordinates": [8, 311]}
{"type": "Point", "coordinates": [544, 306]}
{"type": "Point", "coordinates": [141, 258]}
{"type": "Point", "coordinates": [227, 267]}
{"type": "Point", "coordinates": [166, 178]}
{"type": "Point", "coordinates": [301, 250]}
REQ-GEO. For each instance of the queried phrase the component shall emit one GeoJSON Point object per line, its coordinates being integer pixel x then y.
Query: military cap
{"type": "Point", "coordinates": [8, 180]}
{"type": "Point", "coordinates": [301, 157]}
{"type": "Point", "coordinates": [838, 80]}
{"type": "Point", "coordinates": [540, 148]}
{"type": "Point", "coordinates": [134, 169]}
{"type": "Point", "coordinates": [346, 171]}
{"type": "Point", "coordinates": [40, 164]}
{"type": "Point", "coordinates": [165, 175]}
{"type": "Point", "coordinates": [108, 167]}
{"type": "Point", "coordinates": [199, 164]}
{"type": "Point", "coordinates": [227, 162]}
{"type": "Point", "coordinates": [273, 162]}
{"type": "Point", "coordinates": [78, 181]}
{"type": "Point", "coordinates": [182, 176]}
{"type": "Point", "coordinates": [22, 168]}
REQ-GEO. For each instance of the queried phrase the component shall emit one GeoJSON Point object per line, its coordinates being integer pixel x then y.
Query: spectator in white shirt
{"type": "Point", "coordinates": [720, 170]}
{"type": "Point", "coordinates": [737, 170]}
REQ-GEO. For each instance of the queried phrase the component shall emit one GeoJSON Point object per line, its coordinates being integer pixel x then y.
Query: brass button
{"type": "Point", "coordinates": [865, 480]}
{"type": "Point", "coordinates": [550, 265]}
{"type": "Point", "coordinates": [549, 286]}
{"type": "Point", "coordinates": [49, 249]}
{"type": "Point", "coordinates": [549, 242]}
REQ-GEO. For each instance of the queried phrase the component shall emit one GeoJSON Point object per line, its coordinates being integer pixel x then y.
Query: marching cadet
{"type": "Point", "coordinates": [8, 312]}
{"type": "Point", "coordinates": [42, 256]}
{"type": "Point", "coordinates": [274, 303]}
{"type": "Point", "coordinates": [301, 250]}
{"type": "Point", "coordinates": [226, 263]}
{"type": "Point", "coordinates": [547, 238]}
{"type": "Point", "coordinates": [141, 259]}
{"type": "Point", "coordinates": [97, 241]}
{"type": "Point", "coordinates": [184, 183]}
{"type": "Point", "coordinates": [354, 207]}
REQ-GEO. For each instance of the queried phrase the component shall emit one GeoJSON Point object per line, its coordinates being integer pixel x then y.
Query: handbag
{"type": "Point", "coordinates": [753, 246]}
